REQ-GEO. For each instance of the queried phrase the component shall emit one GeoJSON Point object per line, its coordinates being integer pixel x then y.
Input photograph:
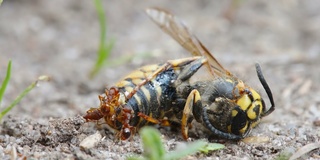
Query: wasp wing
{"type": "Point", "coordinates": [178, 31]}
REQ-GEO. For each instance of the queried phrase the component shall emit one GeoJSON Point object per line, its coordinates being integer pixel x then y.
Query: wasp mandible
{"type": "Point", "coordinates": [162, 93]}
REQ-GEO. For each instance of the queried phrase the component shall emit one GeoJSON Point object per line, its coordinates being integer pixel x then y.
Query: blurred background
{"type": "Point", "coordinates": [61, 38]}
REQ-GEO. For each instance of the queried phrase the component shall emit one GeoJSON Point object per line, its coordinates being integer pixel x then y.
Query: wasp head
{"type": "Point", "coordinates": [234, 118]}
{"type": "Point", "coordinates": [250, 108]}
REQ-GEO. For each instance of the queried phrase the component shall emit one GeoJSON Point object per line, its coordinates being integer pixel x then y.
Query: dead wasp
{"type": "Point", "coordinates": [145, 95]}
{"type": "Point", "coordinates": [224, 104]}
{"type": "Point", "coordinates": [162, 93]}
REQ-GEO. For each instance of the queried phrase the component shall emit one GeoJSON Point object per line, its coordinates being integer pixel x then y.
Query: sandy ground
{"type": "Point", "coordinates": [60, 38]}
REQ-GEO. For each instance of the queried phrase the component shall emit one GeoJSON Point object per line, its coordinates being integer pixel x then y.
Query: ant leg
{"type": "Point", "coordinates": [162, 122]}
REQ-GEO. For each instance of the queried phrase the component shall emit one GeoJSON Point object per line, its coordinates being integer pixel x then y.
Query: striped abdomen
{"type": "Point", "coordinates": [152, 98]}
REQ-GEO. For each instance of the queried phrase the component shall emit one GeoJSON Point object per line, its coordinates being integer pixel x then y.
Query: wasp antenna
{"type": "Point", "coordinates": [266, 88]}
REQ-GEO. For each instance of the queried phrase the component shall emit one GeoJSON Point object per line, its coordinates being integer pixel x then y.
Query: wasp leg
{"type": "Point", "coordinates": [169, 64]}
{"type": "Point", "coordinates": [190, 69]}
{"type": "Point", "coordinates": [162, 122]}
{"type": "Point", "coordinates": [193, 100]}
{"type": "Point", "coordinates": [182, 85]}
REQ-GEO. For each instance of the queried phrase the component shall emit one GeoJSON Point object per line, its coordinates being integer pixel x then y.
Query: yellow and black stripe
{"type": "Point", "coordinates": [156, 96]}
{"type": "Point", "coordinates": [152, 98]}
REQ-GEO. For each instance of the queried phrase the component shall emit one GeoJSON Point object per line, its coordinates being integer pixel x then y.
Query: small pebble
{"type": "Point", "coordinates": [91, 141]}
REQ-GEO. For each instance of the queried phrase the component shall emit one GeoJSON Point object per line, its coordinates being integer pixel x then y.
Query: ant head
{"type": "Point", "coordinates": [125, 133]}
{"type": "Point", "coordinates": [108, 103]}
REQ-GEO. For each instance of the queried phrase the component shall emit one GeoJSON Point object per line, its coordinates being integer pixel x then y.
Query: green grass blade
{"type": "Point", "coordinates": [104, 47]}
{"type": "Point", "coordinates": [154, 149]}
{"type": "Point", "coordinates": [22, 94]}
{"type": "Point", "coordinates": [103, 55]}
{"type": "Point", "coordinates": [127, 58]}
{"type": "Point", "coordinates": [152, 145]}
{"type": "Point", "coordinates": [192, 148]}
{"type": "Point", "coordinates": [5, 81]}
{"type": "Point", "coordinates": [102, 22]}
{"type": "Point", "coordinates": [211, 147]}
